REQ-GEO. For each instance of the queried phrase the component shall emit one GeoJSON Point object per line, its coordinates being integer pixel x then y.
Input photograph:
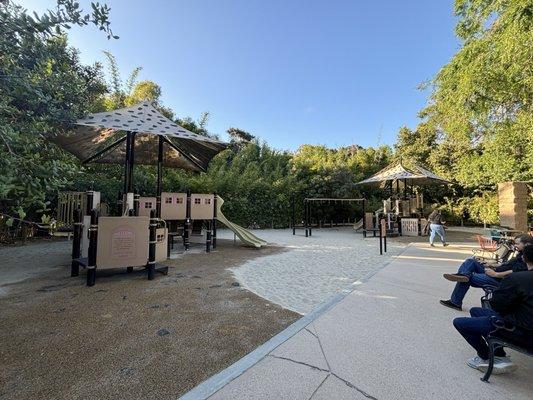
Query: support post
{"type": "Point", "coordinates": [364, 216]}
{"type": "Point", "coordinates": [305, 219]}
{"type": "Point", "coordinates": [214, 224]}
{"type": "Point", "coordinates": [76, 241]}
{"type": "Point", "coordinates": [91, 257]}
{"type": "Point", "coordinates": [89, 203]}
{"type": "Point", "coordinates": [132, 162]}
{"type": "Point", "coordinates": [151, 245]}
{"type": "Point", "coordinates": [293, 215]}
{"type": "Point", "coordinates": [159, 175]}
{"type": "Point", "coordinates": [208, 237]}
{"type": "Point", "coordinates": [186, 239]}
{"type": "Point", "coordinates": [380, 239]}
{"type": "Point", "coordinates": [136, 204]}
{"type": "Point", "coordinates": [127, 165]}
{"type": "Point", "coordinates": [310, 220]}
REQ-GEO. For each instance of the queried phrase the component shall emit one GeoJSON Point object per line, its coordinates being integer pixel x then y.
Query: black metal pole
{"type": "Point", "coordinates": [364, 218]}
{"type": "Point", "coordinates": [310, 220]}
{"type": "Point", "coordinates": [186, 242]}
{"type": "Point", "coordinates": [293, 211]}
{"type": "Point", "coordinates": [159, 175]}
{"type": "Point", "coordinates": [136, 205]}
{"type": "Point", "coordinates": [214, 225]}
{"type": "Point", "coordinates": [76, 241]}
{"type": "Point", "coordinates": [208, 237]}
{"type": "Point", "coordinates": [380, 239]}
{"type": "Point", "coordinates": [89, 203]}
{"type": "Point", "coordinates": [127, 166]}
{"type": "Point", "coordinates": [305, 219]}
{"type": "Point", "coordinates": [151, 246]}
{"type": "Point", "coordinates": [132, 162]}
{"type": "Point", "coordinates": [91, 257]}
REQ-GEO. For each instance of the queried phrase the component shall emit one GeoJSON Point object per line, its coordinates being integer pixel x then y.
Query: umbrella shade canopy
{"type": "Point", "coordinates": [415, 174]}
{"type": "Point", "coordinates": [101, 138]}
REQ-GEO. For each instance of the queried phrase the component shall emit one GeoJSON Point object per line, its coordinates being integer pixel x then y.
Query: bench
{"type": "Point", "coordinates": [495, 340]}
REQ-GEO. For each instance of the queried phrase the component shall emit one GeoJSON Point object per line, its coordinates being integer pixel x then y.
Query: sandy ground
{"type": "Point", "coordinates": [126, 337]}
{"type": "Point", "coordinates": [315, 269]}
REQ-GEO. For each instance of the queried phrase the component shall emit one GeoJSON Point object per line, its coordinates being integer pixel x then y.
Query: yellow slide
{"type": "Point", "coordinates": [247, 237]}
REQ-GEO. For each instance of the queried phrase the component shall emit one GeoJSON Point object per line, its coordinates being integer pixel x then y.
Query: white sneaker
{"type": "Point", "coordinates": [478, 363]}
{"type": "Point", "coordinates": [502, 365]}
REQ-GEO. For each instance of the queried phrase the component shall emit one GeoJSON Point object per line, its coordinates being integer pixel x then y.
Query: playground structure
{"type": "Point", "coordinates": [402, 210]}
{"type": "Point", "coordinates": [141, 238]}
{"type": "Point", "coordinates": [127, 136]}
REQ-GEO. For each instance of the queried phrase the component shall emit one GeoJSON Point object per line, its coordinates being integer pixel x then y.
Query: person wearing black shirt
{"type": "Point", "coordinates": [473, 273]}
{"type": "Point", "coordinates": [512, 304]}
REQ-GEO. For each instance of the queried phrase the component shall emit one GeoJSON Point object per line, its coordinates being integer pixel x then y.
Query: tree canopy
{"type": "Point", "coordinates": [476, 129]}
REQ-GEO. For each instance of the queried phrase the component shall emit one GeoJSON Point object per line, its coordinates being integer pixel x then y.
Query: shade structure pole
{"type": "Point", "coordinates": [132, 162]}
{"type": "Point", "coordinates": [398, 188]}
{"type": "Point", "coordinates": [127, 163]}
{"type": "Point", "coordinates": [159, 175]}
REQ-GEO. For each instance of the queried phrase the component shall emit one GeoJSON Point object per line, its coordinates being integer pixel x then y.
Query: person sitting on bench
{"type": "Point", "coordinates": [474, 273]}
{"type": "Point", "coordinates": [512, 305]}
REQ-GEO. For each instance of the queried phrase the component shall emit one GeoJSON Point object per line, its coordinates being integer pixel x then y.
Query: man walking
{"type": "Point", "coordinates": [436, 226]}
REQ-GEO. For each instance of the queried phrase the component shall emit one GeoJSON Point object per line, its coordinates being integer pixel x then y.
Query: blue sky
{"type": "Point", "coordinates": [290, 72]}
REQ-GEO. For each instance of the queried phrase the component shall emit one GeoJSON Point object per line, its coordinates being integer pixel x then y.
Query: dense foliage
{"type": "Point", "coordinates": [477, 128]}
{"type": "Point", "coordinates": [43, 88]}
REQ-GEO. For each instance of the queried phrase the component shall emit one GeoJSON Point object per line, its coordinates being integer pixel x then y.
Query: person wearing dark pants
{"type": "Point", "coordinates": [512, 305]}
{"type": "Point", "coordinates": [473, 273]}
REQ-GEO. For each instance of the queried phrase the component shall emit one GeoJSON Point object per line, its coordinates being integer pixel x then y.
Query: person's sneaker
{"type": "Point", "coordinates": [456, 277]}
{"type": "Point", "coordinates": [445, 244]}
{"type": "Point", "coordinates": [477, 363]}
{"type": "Point", "coordinates": [502, 365]}
{"type": "Point", "coordinates": [448, 303]}
{"type": "Point", "coordinates": [432, 245]}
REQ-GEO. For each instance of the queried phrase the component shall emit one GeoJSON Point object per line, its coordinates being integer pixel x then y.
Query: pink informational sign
{"type": "Point", "coordinates": [122, 242]}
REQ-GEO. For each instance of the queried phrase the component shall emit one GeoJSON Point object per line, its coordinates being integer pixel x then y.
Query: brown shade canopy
{"type": "Point", "coordinates": [101, 138]}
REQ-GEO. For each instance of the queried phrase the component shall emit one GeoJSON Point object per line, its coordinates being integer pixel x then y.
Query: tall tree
{"type": "Point", "coordinates": [43, 88]}
{"type": "Point", "coordinates": [482, 100]}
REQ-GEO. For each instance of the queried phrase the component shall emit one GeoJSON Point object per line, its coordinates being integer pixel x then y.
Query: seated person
{"type": "Point", "coordinates": [512, 304]}
{"type": "Point", "coordinates": [474, 273]}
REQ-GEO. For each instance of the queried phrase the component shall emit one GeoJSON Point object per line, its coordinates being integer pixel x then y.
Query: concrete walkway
{"type": "Point", "coordinates": [388, 339]}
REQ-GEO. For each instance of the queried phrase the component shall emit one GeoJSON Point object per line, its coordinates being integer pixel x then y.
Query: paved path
{"type": "Point", "coordinates": [389, 339]}
{"type": "Point", "coordinates": [313, 269]}
{"type": "Point", "coordinates": [18, 263]}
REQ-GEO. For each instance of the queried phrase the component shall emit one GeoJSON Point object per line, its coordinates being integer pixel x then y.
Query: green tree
{"type": "Point", "coordinates": [482, 101]}
{"type": "Point", "coordinates": [43, 89]}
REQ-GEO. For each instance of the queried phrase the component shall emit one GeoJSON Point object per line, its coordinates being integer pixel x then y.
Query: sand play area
{"type": "Point", "coordinates": [132, 338]}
